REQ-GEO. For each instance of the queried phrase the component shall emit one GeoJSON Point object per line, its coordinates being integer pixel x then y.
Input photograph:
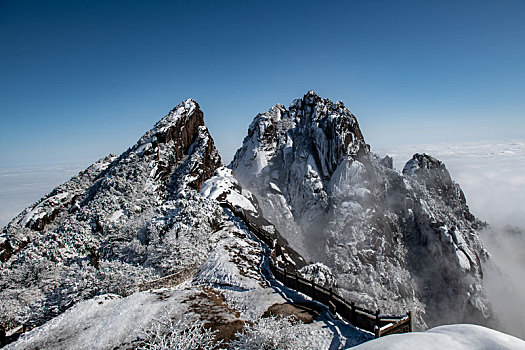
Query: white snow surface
{"type": "Point", "coordinates": [456, 337]}
{"type": "Point", "coordinates": [104, 322]}
{"type": "Point", "coordinates": [225, 187]}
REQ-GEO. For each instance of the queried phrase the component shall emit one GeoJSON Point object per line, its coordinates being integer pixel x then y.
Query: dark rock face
{"type": "Point", "coordinates": [395, 241]}
{"type": "Point", "coordinates": [175, 139]}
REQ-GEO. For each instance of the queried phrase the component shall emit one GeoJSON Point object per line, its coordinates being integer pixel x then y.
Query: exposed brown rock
{"type": "Point", "coordinates": [305, 312]}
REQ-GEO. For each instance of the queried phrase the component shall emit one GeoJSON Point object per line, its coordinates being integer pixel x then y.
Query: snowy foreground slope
{"type": "Point", "coordinates": [228, 290]}
{"type": "Point", "coordinates": [458, 337]}
{"type": "Point", "coordinates": [395, 240]}
{"type": "Point", "coordinates": [137, 251]}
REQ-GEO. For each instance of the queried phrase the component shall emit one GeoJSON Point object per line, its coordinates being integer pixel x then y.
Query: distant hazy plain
{"type": "Point", "coordinates": [20, 187]}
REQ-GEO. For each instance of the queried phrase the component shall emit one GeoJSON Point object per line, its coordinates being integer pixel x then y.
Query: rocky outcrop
{"type": "Point", "coordinates": [180, 138]}
{"type": "Point", "coordinates": [394, 240]}
{"type": "Point", "coordinates": [434, 175]}
{"type": "Point", "coordinates": [292, 153]}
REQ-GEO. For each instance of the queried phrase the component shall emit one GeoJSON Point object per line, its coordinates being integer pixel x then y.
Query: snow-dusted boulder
{"type": "Point", "coordinates": [320, 274]}
{"type": "Point", "coordinates": [223, 187]}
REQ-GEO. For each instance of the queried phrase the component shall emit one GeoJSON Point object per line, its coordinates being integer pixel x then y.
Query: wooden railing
{"type": "Point", "coordinates": [10, 336]}
{"type": "Point", "coordinates": [360, 317]}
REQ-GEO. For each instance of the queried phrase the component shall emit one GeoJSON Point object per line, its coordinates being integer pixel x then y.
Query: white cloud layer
{"type": "Point", "coordinates": [20, 187]}
{"type": "Point", "coordinates": [492, 175]}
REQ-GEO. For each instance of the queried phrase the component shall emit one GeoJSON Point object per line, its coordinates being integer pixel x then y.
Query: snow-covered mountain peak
{"type": "Point", "coordinates": [292, 154]}
{"type": "Point", "coordinates": [138, 213]}
{"type": "Point", "coordinates": [181, 136]}
{"type": "Point", "coordinates": [387, 236]}
{"type": "Point", "coordinates": [423, 163]}
{"type": "Point", "coordinates": [429, 170]}
{"type": "Point", "coordinates": [311, 126]}
{"type": "Point", "coordinates": [434, 176]}
{"type": "Point", "coordinates": [181, 122]}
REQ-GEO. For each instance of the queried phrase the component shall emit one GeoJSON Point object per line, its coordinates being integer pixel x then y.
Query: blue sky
{"type": "Point", "coordinates": [81, 79]}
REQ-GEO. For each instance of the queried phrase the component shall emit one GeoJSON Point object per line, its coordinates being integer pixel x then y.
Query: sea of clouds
{"type": "Point", "coordinates": [492, 175]}
{"type": "Point", "coordinates": [22, 186]}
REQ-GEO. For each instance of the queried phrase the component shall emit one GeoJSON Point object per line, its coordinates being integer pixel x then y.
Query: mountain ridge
{"type": "Point", "coordinates": [122, 213]}
{"type": "Point", "coordinates": [389, 240]}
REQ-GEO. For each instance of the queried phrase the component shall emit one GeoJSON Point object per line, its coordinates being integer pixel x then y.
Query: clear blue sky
{"type": "Point", "coordinates": [80, 79]}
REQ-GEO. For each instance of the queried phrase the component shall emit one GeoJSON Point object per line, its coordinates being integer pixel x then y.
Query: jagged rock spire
{"type": "Point", "coordinates": [385, 234]}
{"type": "Point", "coordinates": [180, 134]}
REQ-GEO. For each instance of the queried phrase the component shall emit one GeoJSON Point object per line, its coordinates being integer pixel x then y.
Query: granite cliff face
{"type": "Point", "coordinates": [181, 139]}
{"type": "Point", "coordinates": [394, 240]}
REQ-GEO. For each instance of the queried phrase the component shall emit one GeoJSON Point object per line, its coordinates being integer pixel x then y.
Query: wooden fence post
{"type": "Point", "coordinates": [377, 328]}
{"type": "Point", "coordinates": [377, 332]}
{"type": "Point", "coordinates": [331, 307]}
{"type": "Point", "coordinates": [352, 310]}
{"type": "Point", "coordinates": [409, 313]}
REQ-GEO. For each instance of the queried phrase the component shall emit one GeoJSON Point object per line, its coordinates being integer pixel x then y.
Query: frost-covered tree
{"type": "Point", "coordinates": [275, 333]}
{"type": "Point", "coordinates": [183, 334]}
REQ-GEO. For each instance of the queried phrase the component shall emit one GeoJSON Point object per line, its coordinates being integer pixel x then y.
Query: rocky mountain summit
{"type": "Point", "coordinates": [122, 221]}
{"type": "Point", "coordinates": [394, 240]}
{"type": "Point", "coordinates": [157, 228]}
